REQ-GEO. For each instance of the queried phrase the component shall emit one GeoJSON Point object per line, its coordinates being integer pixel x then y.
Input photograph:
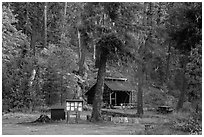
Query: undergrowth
{"type": "Point", "coordinates": [191, 123]}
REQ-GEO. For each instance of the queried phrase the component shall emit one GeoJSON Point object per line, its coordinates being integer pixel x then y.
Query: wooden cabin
{"type": "Point", "coordinates": [116, 91]}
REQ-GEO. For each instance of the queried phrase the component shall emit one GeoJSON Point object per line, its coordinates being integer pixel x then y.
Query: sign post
{"type": "Point", "coordinates": [74, 105]}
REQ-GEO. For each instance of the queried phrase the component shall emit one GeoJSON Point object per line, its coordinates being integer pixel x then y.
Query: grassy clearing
{"type": "Point", "coordinates": [150, 124]}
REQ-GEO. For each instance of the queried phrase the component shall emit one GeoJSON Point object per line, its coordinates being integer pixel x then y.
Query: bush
{"type": "Point", "coordinates": [188, 122]}
{"type": "Point", "coordinates": [43, 109]}
{"type": "Point", "coordinates": [187, 107]}
{"type": "Point", "coordinates": [154, 98]}
{"type": "Point", "coordinates": [171, 101]}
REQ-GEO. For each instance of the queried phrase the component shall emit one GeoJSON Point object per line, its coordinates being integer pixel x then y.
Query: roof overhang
{"type": "Point", "coordinates": [119, 86]}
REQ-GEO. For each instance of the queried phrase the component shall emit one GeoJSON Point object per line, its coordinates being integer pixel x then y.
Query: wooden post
{"type": "Point", "coordinates": [76, 117]}
{"type": "Point", "coordinates": [132, 96]}
{"type": "Point", "coordinates": [67, 117]}
{"type": "Point", "coordinates": [61, 99]}
{"type": "Point", "coordinates": [115, 99]}
{"type": "Point", "coordinates": [110, 99]}
{"type": "Point", "coordinates": [79, 114]}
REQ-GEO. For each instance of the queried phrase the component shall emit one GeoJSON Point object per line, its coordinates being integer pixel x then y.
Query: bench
{"type": "Point", "coordinates": [164, 109]}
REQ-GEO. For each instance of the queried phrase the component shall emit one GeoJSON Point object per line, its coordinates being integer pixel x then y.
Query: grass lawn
{"type": "Point", "coordinates": [20, 124]}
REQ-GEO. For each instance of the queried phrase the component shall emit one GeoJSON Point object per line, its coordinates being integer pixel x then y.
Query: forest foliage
{"type": "Point", "coordinates": [45, 45]}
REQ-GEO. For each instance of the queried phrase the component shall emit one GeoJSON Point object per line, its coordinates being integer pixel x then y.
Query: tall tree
{"type": "Point", "coordinates": [194, 78]}
{"type": "Point", "coordinates": [118, 21]}
{"type": "Point", "coordinates": [106, 24]}
{"type": "Point", "coordinates": [185, 30]}
{"type": "Point", "coordinates": [14, 60]}
{"type": "Point", "coordinates": [149, 47]}
{"type": "Point", "coordinates": [144, 54]}
{"type": "Point", "coordinates": [45, 25]}
{"type": "Point", "coordinates": [41, 23]}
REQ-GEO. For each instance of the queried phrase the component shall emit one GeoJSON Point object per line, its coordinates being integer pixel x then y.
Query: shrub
{"type": "Point", "coordinates": [154, 97]}
{"type": "Point", "coordinates": [171, 101]}
{"type": "Point", "coordinates": [188, 123]}
{"type": "Point", "coordinates": [187, 107]}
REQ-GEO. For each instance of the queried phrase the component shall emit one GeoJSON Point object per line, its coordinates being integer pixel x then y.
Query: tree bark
{"type": "Point", "coordinates": [33, 72]}
{"type": "Point", "coordinates": [98, 97]}
{"type": "Point", "coordinates": [33, 41]}
{"type": "Point", "coordinates": [142, 52]}
{"type": "Point", "coordinates": [64, 22]}
{"type": "Point", "coordinates": [182, 93]}
{"type": "Point", "coordinates": [94, 54]}
{"type": "Point", "coordinates": [45, 25]}
{"type": "Point", "coordinates": [81, 63]}
{"type": "Point", "coordinates": [147, 21]}
{"type": "Point", "coordinates": [184, 84]}
{"type": "Point", "coordinates": [65, 10]}
{"type": "Point", "coordinates": [82, 47]}
{"type": "Point", "coordinates": [168, 62]}
{"type": "Point", "coordinates": [140, 90]}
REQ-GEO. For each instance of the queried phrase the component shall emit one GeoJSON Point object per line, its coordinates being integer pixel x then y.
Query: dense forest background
{"type": "Point", "coordinates": [51, 50]}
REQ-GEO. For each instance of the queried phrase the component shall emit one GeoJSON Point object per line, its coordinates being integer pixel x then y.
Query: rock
{"type": "Point", "coordinates": [135, 120]}
{"type": "Point", "coordinates": [107, 118]}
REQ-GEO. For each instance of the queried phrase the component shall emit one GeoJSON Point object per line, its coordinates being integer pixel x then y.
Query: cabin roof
{"type": "Point", "coordinates": [115, 84]}
{"type": "Point", "coordinates": [119, 85]}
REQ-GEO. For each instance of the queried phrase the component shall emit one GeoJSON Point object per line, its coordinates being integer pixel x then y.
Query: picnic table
{"type": "Point", "coordinates": [165, 109]}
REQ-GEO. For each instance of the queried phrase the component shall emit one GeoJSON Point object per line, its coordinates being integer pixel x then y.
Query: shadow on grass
{"type": "Point", "coordinates": [63, 122]}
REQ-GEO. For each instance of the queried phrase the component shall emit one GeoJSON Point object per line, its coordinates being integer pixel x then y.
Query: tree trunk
{"type": "Point", "coordinates": [79, 44]}
{"type": "Point", "coordinates": [147, 21]}
{"type": "Point", "coordinates": [140, 90]}
{"type": "Point", "coordinates": [168, 62]}
{"type": "Point", "coordinates": [31, 90]}
{"type": "Point", "coordinates": [33, 72]}
{"type": "Point", "coordinates": [65, 10]}
{"type": "Point", "coordinates": [27, 22]}
{"type": "Point", "coordinates": [94, 54]}
{"type": "Point", "coordinates": [81, 71]}
{"type": "Point", "coordinates": [182, 93]}
{"type": "Point", "coordinates": [33, 41]}
{"type": "Point", "coordinates": [64, 22]}
{"type": "Point", "coordinates": [98, 97]}
{"type": "Point", "coordinates": [184, 85]}
{"type": "Point", "coordinates": [45, 25]}
{"type": "Point", "coordinates": [81, 53]}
